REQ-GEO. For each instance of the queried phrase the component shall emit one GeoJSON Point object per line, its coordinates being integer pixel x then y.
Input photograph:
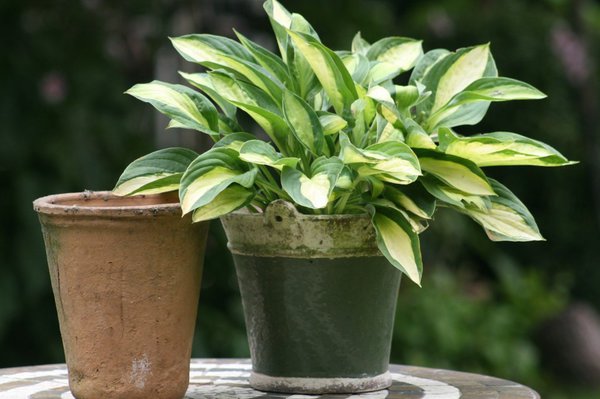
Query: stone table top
{"type": "Point", "coordinates": [228, 378]}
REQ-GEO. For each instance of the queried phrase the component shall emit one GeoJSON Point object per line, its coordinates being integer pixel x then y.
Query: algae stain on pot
{"type": "Point", "coordinates": [140, 369]}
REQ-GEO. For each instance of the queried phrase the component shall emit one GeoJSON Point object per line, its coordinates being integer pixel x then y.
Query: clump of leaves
{"type": "Point", "coordinates": [344, 138]}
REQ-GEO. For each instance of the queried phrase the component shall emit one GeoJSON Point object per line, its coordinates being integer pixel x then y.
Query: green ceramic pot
{"type": "Point", "coordinates": [319, 300]}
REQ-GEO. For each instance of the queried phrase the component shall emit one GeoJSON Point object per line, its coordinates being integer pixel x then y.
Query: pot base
{"type": "Point", "coordinates": [268, 383]}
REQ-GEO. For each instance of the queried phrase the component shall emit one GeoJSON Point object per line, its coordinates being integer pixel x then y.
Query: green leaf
{"type": "Point", "coordinates": [182, 104]}
{"type": "Point", "coordinates": [406, 96]}
{"type": "Point", "coordinates": [332, 123]}
{"type": "Point", "coordinates": [400, 52]}
{"type": "Point", "coordinates": [391, 161]}
{"type": "Point", "coordinates": [425, 62]}
{"type": "Point", "coordinates": [217, 52]}
{"type": "Point", "coordinates": [380, 94]}
{"type": "Point", "coordinates": [397, 241]}
{"type": "Point", "coordinates": [453, 73]}
{"type": "Point", "coordinates": [457, 172]}
{"type": "Point", "coordinates": [360, 45]}
{"type": "Point", "coordinates": [281, 19]}
{"type": "Point", "coordinates": [300, 24]}
{"type": "Point", "coordinates": [303, 122]}
{"type": "Point", "coordinates": [357, 65]}
{"type": "Point", "coordinates": [507, 219]}
{"type": "Point", "coordinates": [482, 90]}
{"type": "Point", "coordinates": [265, 58]}
{"type": "Point", "coordinates": [204, 83]}
{"type": "Point", "coordinates": [154, 173]}
{"type": "Point", "coordinates": [413, 198]}
{"type": "Point", "coordinates": [234, 141]}
{"type": "Point", "coordinates": [453, 196]}
{"type": "Point", "coordinates": [230, 199]}
{"type": "Point", "coordinates": [314, 191]}
{"type": "Point", "coordinates": [209, 48]}
{"type": "Point", "coordinates": [233, 89]}
{"type": "Point", "coordinates": [260, 153]}
{"type": "Point", "coordinates": [255, 103]}
{"type": "Point", "coordinates": [500, 149]}
{"type": "Point", "coordinates": [210, 174]}
{"type": "Point", "coordinates": [390, 133]}
{"type": "Point", "coordinates": [330, 71]}
{"type": "Point", "coordinates": [273, 124]}
{"type": "Point", "coordinates": [416, 137]}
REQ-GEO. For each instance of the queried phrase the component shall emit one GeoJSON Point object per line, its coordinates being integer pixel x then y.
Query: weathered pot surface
{"type": "Point", "coordinates": [319, 300]}
{"type": "Point", "coordinates": [125, 273]}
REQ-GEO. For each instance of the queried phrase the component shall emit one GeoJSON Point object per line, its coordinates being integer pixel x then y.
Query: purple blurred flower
{"type": "Point", "coordinates": [53, 87]}
{"type": "Point", "coordinates": [570, 50]}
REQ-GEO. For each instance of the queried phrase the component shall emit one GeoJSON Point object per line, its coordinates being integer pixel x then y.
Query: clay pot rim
{"type": "Point", "coordinates": [281, 207]}
{"type": "Point", "coordinates": [75, 204]}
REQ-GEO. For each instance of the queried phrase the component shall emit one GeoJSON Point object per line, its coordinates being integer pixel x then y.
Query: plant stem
{"type": "Point", "coordinates": [305, 162]}
{"type": "Point", "coordinates": [265, 171]}
{"type": "Point", "coordinates": [341, 202]}
{"type": "Point", "coordinates": [269, 189]}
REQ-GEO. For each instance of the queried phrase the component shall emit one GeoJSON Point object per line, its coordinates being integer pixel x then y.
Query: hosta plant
{"type": "Point", "coordinates": [373, 129]}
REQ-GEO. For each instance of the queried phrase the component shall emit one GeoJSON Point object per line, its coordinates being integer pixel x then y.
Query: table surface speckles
{"type": "Point", "coordinates": [218, 378]}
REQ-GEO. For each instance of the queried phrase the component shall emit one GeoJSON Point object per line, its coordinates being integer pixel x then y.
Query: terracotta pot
{"type": "Point", "coordinates": [319, 300]}
{"type": "Point", "coordinates": [125, 273]}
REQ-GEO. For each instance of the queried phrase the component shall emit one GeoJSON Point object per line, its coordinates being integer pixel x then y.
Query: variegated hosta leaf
{"type": "Point", "coordinates": [314, 191]}
{"type": "Point", "coordinates": [360, 45]}
{"type": "Point", "coordinates": [416, 137]}
{"type": "Point", "coordinates": [281, 19]}
{"type": "Point", "coordinates": [500, 148]}
{"type": "Point", "coordinates": [424, 63]}
{"type": "Point", "coordinates": [236, 90]}
{"type": "Point", "coordinates": [232, 198]}
{"type": "Point", "coordinates": [453, 73]}
{"type": "Point", "coordinates": [507, 219]}
{"type": "Point", "coordinates": [397, 240]}
{"type": "Point", "coordinates": [260, 153]}
{"type": "Point", "coordinates": [452, 196]}
{"type": "Point", "coordinates": [358, 110]}
{"type": "Point", "coordinates": [389, 133]}
{"type": "Point", "coordinates": [417, 224]}
{"type": "Point", "coordinates": [368, 105]}
{"type": "Point", "coordinates": [380, 72]}
{"type": "Point", "coordinates": [482, 90]}
{"type": "Point", "coordinates": [457, 172]}
{"type": "Point", "coordinates": [391, 161]}
{"type": "Point", "coordinates": [303, 79]}
{"type": "Point", "coordinates": [182, 104]}
{"type": "Point", "coordinates": [255, 103]}
{"type": "Point", "coordinates": [216, 52]}
{"type": "Point", "coordinates": [210, 174]}
{"type": "Point", "coordinates": [265, 58]}
{"type": "Point", "coordinates": [414, 198]}
{"type": "Point", "coordinates": [332, 123]}
{"type": "Point", "coordinates": [204, 83]}
{"type": "Point", "coordinates": [400, 52]}
{"type": "Point", "coordinates": [301, 25]}
{"type": "Point", "coordinates": [407, 96]}
{"type": "Point", "coordinates": [234, 140]}
{"type": "Point", "coordinates": [303, 122]}
{"type": "Point", "coordinates": [157, 172]}
{"type": "Point", "coordinates": [380, 94]}
{"type": "Point", "coordinates": [357, 65]}
{"type": "Point", "coordinates": [330, 71]}
{"type": "Point", "coordinates": [209, 48]}
{"type": "Point", "coordinates": [345, 179]}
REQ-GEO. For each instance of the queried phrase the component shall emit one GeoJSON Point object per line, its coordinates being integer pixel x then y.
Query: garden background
{"type": "Point", "coordinates": [526, 312]}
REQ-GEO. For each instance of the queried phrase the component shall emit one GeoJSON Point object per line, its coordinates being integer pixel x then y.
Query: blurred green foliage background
{"type": "Point", "coordinates": [65, 126]}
